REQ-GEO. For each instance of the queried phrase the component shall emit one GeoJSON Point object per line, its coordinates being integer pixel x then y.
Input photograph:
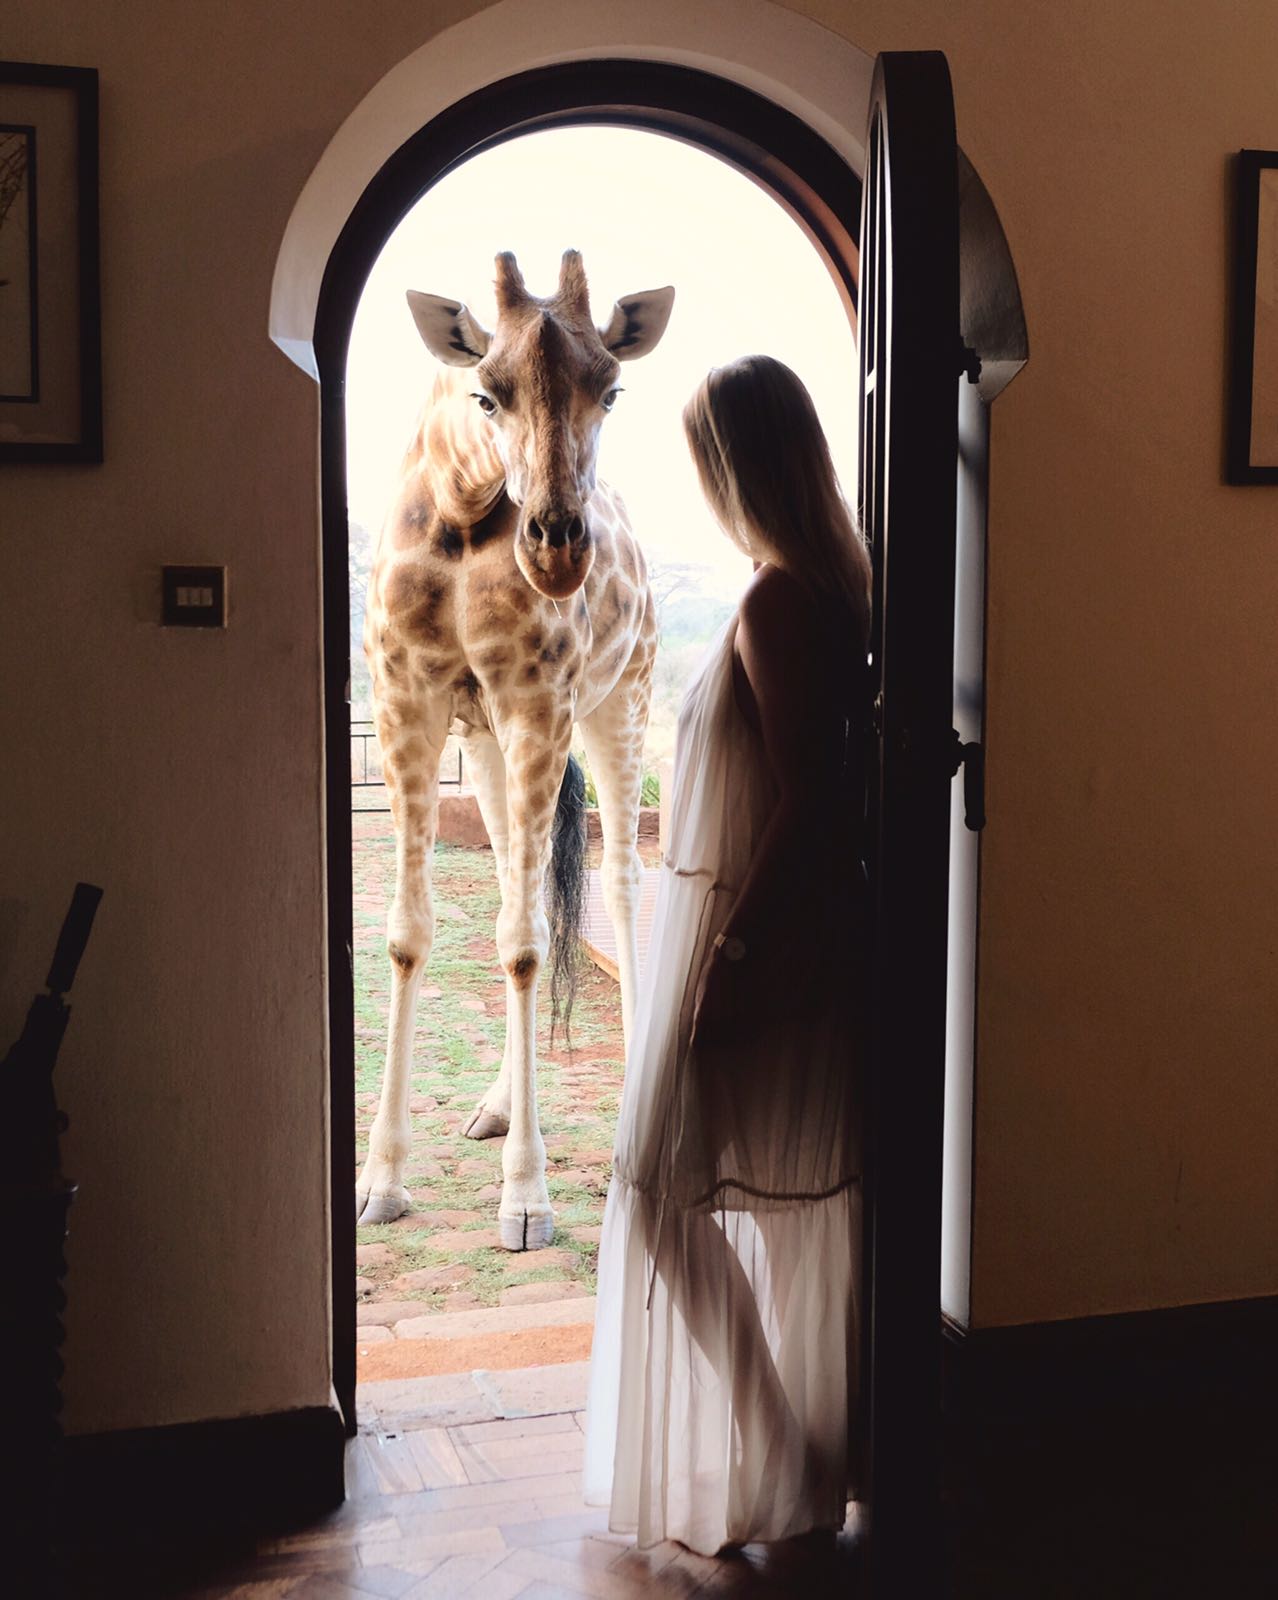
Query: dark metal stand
{"type": "Point", "coordinates": [36, 1200]}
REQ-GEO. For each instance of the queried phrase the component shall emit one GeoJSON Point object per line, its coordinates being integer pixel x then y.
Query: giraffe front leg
{"type": "Point", "coordinates": [410, 760]}
{"type": "Point", "coordinates": [535, 758]}
{"type": "Point", "coordinates": [486, 770]}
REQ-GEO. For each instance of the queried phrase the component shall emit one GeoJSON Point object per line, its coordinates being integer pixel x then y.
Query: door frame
{"type": "Point", "coordinates": [779, 151]}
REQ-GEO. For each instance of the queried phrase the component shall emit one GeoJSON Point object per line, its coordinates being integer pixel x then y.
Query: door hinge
{"type": "Point", "coordinates": [971, 757]}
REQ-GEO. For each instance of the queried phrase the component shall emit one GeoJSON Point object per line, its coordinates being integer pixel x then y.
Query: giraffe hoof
{"type": "Point", "coordinates": [486, 1124]}
{"type": "Point", "coordinates": [529, 1228]}
{"type": "Point", "coordinates": [371, 1209]}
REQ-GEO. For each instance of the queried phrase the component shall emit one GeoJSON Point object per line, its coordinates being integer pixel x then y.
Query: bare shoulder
{"type": "Point", "coordinates": [776, 611]}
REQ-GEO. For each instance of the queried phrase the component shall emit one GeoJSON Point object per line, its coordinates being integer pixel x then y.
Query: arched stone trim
{"type": "Point", "coordinates": [799, 170]}
{"type": "Point", "coordinates": [826, 84]}
{"type": "Point", "coordinates": [991, 318]}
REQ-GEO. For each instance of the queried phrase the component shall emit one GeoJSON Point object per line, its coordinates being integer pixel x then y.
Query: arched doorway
{"type": "Point", "coordinates": [777, 150]}
{"type": "Point", "coordinates": [817, 179]}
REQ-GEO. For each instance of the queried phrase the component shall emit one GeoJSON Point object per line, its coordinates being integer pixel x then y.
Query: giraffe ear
{"type": "Point", "coordinates": [449, 331]}
{"type": "Point", "coordinates": [638, 321]}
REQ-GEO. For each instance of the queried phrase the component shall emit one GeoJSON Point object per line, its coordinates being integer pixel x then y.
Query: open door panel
{"type": "Point", "coordinates": [911, 361]}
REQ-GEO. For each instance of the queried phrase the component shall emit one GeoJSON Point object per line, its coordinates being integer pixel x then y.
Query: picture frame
{"type": "Point", "coordinates": [50, 318]}
{"type": "Point", "coordinates": [1252, 445]}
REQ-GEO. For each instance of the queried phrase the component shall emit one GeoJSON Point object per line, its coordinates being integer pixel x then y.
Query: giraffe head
{"type": "Point", "coordinates": [545, 378]}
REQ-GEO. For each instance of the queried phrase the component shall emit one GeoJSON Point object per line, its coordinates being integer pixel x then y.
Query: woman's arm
{"type": "Point", "coordinates": [793, 675]}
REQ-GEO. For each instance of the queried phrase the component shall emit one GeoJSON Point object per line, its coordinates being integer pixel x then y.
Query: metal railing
{"type": "Point", "coordinates": [366, 732]}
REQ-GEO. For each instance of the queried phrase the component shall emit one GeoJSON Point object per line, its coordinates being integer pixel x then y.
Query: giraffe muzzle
{"type": "Point", "coordinates": [555, 553]}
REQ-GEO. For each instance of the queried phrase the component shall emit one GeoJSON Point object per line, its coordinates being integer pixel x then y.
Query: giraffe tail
{"type": "Point", "coordinates": [566, 896]}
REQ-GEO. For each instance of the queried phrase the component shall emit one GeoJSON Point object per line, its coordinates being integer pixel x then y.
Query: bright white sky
{"type": "Point", "coordinates": [645, 211]}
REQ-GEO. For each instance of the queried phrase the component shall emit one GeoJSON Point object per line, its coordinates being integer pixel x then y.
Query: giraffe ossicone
{"type": "Point", "coordinates": [508, 602]}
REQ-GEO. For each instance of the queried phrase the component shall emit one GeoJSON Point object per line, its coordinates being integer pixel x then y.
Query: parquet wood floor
{"type": "Point", "coordinates": [493, 1511]}
{"type": "Point", "coordinates": [469, 1485]}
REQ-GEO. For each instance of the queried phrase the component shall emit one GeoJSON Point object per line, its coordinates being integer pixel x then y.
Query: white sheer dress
{"type": "Point", "coordinates": [724, 1368]}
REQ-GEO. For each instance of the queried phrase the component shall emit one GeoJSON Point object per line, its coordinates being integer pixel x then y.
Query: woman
{"type": "Point", "coordinates": [724, 1354]}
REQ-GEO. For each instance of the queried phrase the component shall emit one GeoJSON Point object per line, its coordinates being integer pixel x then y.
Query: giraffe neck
{"type": "Point", "coordinates": [464, 472]}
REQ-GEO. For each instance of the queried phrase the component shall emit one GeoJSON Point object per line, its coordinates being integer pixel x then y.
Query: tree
{"type": "Point", "coordinates": [666, 579]}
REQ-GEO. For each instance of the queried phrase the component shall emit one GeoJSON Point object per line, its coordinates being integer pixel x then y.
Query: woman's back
{"type": "Point", "coordinates": [768, 1105]}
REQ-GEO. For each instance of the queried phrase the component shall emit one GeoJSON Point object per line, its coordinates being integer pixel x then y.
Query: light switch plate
{"type": "Point", "coordinates": [193, 597]}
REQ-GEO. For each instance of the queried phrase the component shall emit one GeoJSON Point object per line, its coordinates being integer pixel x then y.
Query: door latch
{"type": "Point", "coordinates": [926, 755]}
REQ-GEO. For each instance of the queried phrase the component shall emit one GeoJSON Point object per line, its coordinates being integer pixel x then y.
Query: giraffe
{"type": "Point", "coordinates": [508, 600]}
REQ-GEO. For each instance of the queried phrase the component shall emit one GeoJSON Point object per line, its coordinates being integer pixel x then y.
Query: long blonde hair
{"type": "Point", "coordinates": [766, 471]}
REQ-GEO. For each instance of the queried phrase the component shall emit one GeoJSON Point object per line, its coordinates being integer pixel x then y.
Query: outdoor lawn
{"type": "Point", "coordinates": [443, 1255]}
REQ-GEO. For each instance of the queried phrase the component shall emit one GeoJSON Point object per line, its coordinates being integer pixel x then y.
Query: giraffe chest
{"type": "Point", "coordinates": [472, 630]}
{"type": "Point", "coordinates": [450, 615]}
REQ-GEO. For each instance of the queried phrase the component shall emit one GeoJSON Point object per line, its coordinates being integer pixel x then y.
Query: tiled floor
{"type": "Point", "coordinates": [439, 1506]}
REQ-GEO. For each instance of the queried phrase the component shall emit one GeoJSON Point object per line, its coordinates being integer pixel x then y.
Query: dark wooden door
{"type": "Point", "coordinates": [910, 366]}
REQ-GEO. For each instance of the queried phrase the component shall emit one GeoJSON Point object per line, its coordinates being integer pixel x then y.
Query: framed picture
{"type": "Point", "coordinates": [1253, 408]}
{"type": "Point", "coordinates": [50, 337]}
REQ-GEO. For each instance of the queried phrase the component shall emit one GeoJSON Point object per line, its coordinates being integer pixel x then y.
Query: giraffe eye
{"type": "Point", "coordinates": [486, 405]}
{"type": "Point", "coordinates": [610, 399]}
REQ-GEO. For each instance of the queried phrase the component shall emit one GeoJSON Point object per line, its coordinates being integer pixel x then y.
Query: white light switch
{"type": "Point", "coordinates": [194, 597]}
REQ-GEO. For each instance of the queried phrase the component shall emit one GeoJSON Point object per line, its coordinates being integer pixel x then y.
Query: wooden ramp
{"type": "Point", "coordinates": [598, 938]}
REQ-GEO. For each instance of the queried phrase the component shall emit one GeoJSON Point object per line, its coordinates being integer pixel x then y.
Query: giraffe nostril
{"type": "Point", "coordinates": [556, 529]}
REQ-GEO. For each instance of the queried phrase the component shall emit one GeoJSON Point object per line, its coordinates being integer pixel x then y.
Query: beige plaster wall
{"type": "Point", "coordinates": [179, 770]}
{"type": "Point", "coordinates": [1127, 1099]}
{"type": "Point", "coordinates": [1126, 1109]}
